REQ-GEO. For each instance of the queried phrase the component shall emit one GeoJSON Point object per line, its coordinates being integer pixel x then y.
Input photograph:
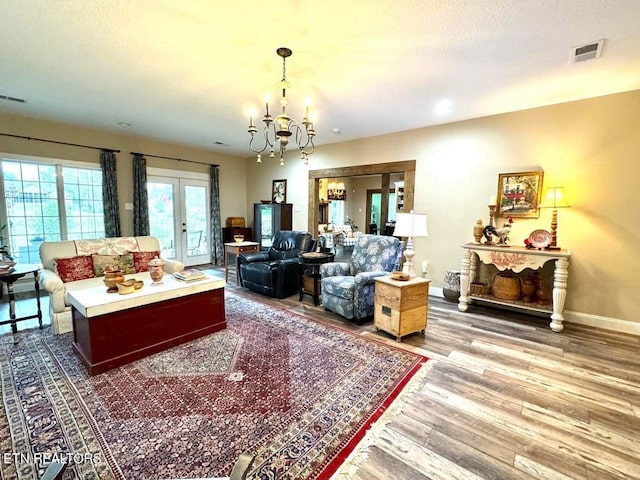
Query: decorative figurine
{"type": "Point", "coordinates": [502, 234]}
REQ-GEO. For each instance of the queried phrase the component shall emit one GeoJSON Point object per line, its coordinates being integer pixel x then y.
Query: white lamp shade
{"type": "Point", "coordinates": [411, 225]}
{"type": "Point", "coordinates": [554, 198]}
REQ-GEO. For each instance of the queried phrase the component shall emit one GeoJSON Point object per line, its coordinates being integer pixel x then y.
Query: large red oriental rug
{"type": "Point", "coordinates": [296, 393]}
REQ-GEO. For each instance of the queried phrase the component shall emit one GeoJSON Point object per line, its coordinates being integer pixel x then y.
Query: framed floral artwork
{"type": "Point", "coordinates": [519, 194]}
{"type": "Point", "coordinates": [279, 191]}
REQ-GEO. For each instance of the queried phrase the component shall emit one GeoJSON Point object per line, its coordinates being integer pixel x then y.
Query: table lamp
{"type": "Point", "coordinates": [554, 198]}
{"type": "Point", "coordinates": [410, 225]}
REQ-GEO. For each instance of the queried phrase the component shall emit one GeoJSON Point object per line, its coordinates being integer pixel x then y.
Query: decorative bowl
{"type": "Point", "coordinates": [138, 284]}
{"type": "Point", "coordinates": [238, 238]}
{"type": "Point", "coordinates": [111, 279]}
{"type": "Point", "coordinates": [126, 287]}
{"type": "Point", "coordinates": [401, 276]}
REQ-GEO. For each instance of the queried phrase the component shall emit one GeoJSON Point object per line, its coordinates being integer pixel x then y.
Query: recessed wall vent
{"type": "Point", "coordinates": [12, 99]}
{"type": "Point", "coordinates": [587, 51]}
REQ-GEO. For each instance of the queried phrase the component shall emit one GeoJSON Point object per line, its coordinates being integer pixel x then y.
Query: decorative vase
{"type": "Point", "coordinates": [477, 231]}
{"type": "Point", "coordinates": [451, 290]}
{"type": "Point", "coordinates": [156, 270]}
{"type": "Point", "coordinates": [528, 290]}
{"type": "Point", "coordinates": [111, 280]}
{"type": "Point", "coordinates": [543, 292]}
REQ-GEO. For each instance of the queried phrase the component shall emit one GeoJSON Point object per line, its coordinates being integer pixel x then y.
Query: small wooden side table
{"type": "Point", "coordinates": [310, 273]}
{"type": "Point", "coordinates": [19, 271]}
{"type": "Point", "coordinates": [401, 306]}
{"type": "Point", "coordinates": [236, 248]}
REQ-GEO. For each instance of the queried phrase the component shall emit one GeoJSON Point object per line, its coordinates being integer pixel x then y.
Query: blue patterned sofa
{"type": "Point", "coordinates": [348, 289]}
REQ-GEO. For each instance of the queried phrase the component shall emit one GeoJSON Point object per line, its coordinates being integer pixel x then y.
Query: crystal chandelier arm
{"type": "Point", "coordinates": [268, 143]}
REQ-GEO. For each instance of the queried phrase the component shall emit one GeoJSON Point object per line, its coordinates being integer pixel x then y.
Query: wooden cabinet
{"type": "Point", "coordinates": [323, 213]}
{"type": "Point", "coordinates": [401, 306]}
{"type": "Point", "coordinates": [269, 218]}
{"type": "Point", "coordinates": [399, 187]}
{"type": "Point", "coordinates": [516, 260]}
{"type": "Point", "coordinates": [229, 232]}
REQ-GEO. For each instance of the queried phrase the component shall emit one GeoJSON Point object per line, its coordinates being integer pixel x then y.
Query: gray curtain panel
{"type": "Point", "coordinates": [140, 197]}
{"type": "Point", "coordinates": [110, 194]}
{"type": "Point", "coordinates": [217, 246]}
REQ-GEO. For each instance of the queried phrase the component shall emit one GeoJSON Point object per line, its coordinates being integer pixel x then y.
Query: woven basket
{"type": "Point", "coordinates": [477, 288]}
{"type": "Point", "coordinates": [506, 286]}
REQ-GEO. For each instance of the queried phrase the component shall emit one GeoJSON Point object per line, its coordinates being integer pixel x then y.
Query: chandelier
{"type": "Point", "coordinates": [336, 191]}
{"type": "Point", "coordinates": [277, 132]}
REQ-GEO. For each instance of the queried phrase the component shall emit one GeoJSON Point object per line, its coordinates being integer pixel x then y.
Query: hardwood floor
{"type": "Point", "coordinates": [502, 397]}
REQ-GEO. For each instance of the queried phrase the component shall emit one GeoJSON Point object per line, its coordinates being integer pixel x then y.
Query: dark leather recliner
{"type": "Point", "coordinates": [275, 272]}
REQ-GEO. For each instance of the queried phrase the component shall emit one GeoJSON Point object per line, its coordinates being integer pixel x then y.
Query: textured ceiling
{"type": "Point", "coordinates": [186, 71]}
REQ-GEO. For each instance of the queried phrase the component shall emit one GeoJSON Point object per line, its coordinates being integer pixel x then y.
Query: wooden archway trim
{"type": "Point", "coordinates": [406, 167]}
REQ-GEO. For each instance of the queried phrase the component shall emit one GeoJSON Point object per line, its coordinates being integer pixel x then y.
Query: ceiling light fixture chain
{"type": "Point", "coordinates": [277, 132]}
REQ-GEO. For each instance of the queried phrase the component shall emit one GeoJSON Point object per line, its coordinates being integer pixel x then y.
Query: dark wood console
{"type": "Point", "coordinates": [114, 339]}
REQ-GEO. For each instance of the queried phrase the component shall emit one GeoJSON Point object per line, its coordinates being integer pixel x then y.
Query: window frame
{"type": "Point", "coordinates": [59, 165]}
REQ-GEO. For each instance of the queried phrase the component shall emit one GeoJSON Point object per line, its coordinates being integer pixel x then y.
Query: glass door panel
{"type": "Point", "coordinates": [162, 218]}
{"type": "Point", "coordinates": [195, 222]}
{"type": "Point", "coordinates": [179, 218]}
{"type": "Point", "coordinates": [266, 226]}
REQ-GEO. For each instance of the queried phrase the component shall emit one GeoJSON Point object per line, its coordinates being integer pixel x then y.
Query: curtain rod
{"type": "Point", "coordinates": [173, 158]}
{"type": "Point", "coordinates": [60, 143]}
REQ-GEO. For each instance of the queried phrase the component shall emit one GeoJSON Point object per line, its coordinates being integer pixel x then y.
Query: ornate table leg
{"type": "Point", "coordinates": [465, 280]}
{"type": "Point", "coordinates": [560, 275]}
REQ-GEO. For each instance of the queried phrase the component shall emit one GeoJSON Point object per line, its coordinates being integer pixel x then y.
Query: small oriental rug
{"type": "Point", "coordinates": [296, 393]}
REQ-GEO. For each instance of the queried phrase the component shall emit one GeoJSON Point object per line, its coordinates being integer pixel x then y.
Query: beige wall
{"type": "Point", "coordinates": [233, 185]}
{"type": "Point", "coordinates": [591, 147]}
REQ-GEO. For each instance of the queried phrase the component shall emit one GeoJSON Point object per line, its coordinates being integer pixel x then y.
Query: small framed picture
{"type": "Point", "coordinates": [279, 191]}
{"type": "Point", "coordinates": [519, 194]}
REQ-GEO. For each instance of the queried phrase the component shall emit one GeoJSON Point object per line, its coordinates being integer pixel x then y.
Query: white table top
{"type": "Point", "coordinates": [245, 243]}
{"type": "Point", "coordinates": [94, 301]}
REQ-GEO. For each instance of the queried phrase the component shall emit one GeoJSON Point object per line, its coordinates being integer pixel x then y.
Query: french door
{"type": "Point", "coordinates": [179, 218]}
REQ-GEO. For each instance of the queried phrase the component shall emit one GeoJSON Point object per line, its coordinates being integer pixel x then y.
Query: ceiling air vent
{"type": "Point", "coordinates": [587, 51]}
{"type": "Point", "coordinates": [12, 99]}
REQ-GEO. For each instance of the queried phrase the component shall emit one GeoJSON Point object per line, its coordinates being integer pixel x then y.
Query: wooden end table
{"type": "Point", "coordinates": [236, 248]}
{"type": "Point", "coordinates": [310, 273]}
{"type": "Point", "coordinates": [401, 306]}
{"type": "Point", "coordinates": [19, 271]}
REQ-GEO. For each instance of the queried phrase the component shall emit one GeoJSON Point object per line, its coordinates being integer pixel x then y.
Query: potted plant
{"type": "Point", "coordinates": [352, 224]}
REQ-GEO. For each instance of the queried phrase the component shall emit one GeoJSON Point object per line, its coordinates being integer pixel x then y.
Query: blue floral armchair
{"type": "Point", "coordinates": [348, 289]}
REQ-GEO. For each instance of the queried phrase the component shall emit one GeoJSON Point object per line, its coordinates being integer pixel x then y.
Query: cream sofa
{"type": "Point", "coordinates": [59, 307]}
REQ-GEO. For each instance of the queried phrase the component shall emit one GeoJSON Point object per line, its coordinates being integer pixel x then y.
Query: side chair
{"type": "Point", "coordinates": [348, 288]}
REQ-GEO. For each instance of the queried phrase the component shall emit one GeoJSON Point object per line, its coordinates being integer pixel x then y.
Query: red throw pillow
{"type": "Point", "coordinates": [75, 268]}
{"type": "Point", "coordinates": [141, 260]}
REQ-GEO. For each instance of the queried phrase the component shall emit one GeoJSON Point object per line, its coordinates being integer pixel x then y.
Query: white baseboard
{"type": "Point", "coordinates": [436, 291]}
{"type": "Point", "coordinates": [606, 323]}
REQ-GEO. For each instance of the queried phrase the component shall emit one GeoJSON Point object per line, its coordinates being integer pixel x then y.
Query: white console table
{"type": "Point", "coordinates": [515, 259]}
